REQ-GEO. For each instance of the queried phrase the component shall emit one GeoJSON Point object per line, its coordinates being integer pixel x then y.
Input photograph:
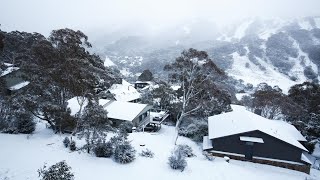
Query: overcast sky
{"type": "Point", "coordinates": [108, 15]}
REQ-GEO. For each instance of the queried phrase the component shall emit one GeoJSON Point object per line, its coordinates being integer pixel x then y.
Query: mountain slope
{"type": "Point", "coordinates": [276, 51]}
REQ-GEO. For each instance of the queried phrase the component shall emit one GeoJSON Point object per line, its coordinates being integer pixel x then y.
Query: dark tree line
{"type": "Point", "coordinates": [301, 106]}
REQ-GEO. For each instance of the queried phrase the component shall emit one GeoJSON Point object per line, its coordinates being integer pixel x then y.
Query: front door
{"type": "Point", "coordinates": [249, 150]}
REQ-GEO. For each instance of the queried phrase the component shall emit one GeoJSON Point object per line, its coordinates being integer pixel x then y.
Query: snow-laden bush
{"type": "Point", "coordinates": [124, 153]}
{"type": "Point", "coordinates": [147, 153]}
{"type": "Point", "coordinates": [103, 149]}
{"type": "Point", "coordinates": [24, 123]}
{"type": "Point", "coordinates": [185, 150]}
{"type": "Point", "coordinates": [59, 171]}
{"type": "Point", "coordinates": [195, 130]}
{"type": "Point", "coordinates": [208, 156]}
{"type": "Point", "coordinates": [66, 142]}
{"type": "Point", "coordinates": [72, 146]}
{"type": "Point", "coordinates": [177, 160]}
{"type": "Point", "coordinates": [126, 127]}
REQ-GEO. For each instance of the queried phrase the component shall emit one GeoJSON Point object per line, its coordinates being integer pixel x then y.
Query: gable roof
{"type": "Point", "coordinates": [10, 68]}
{"type": "Point", "coordinates": [19, 85]}
{"type": "Point", "coordinates": [123, 110]}
{"type": "Point", "coordinates": [124, 92]}
{"type": "Point", "coordinates": [240, 120]}
{"type": "Point", "coordinates": [116, 109]}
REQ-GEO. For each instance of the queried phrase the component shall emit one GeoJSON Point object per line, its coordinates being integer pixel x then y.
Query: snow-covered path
{"type": "Point", "coordinates": [22, 155]}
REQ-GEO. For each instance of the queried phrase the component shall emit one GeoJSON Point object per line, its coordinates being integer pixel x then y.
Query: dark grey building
{"type": "Point", "coordinates": [243, 135]}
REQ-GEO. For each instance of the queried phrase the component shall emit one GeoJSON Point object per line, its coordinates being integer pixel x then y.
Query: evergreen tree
{"type": "Point", "coordinates": [58, 171]}
{"type": "Point", "coordinates": [124, 153]}
{"type": "Point", "coordinates": [94, 124]}
{"type": "Point", "coordinates": [146, 76]}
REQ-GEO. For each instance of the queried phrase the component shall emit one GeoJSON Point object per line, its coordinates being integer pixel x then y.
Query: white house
{"type": "Point", "coordinates": [124, 92]}
{"type": "Point", "coordinates": [118, 111]}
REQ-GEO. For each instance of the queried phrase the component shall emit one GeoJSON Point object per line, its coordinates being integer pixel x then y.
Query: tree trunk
{"type": "Point", "coordinates": [177, 129]}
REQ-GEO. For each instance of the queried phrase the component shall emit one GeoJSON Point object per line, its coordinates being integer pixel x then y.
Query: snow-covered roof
{"type": "Point", "coordinates": [175, 87]}
{"type": "Point", "coordinates": [9, 70]}
{"type": "Point", "coordinates": [19, 86]}
{"type": "Point", "coordinates": [116, 109]}
{"type": "Point", "coordinates": [124, 92]}
{"type": "Point", "coordinates": [74, 104]}
{"type": "Point", "coordinates": [305, 157]}
{"type": "Point", "coordinates": [240, 120]}
{"type": "Point", "coordinates": [123, 110]}
{"type": "Point", "coordinates": [251, 139]}
{"type": "Point", "coordinates": [147, 82]}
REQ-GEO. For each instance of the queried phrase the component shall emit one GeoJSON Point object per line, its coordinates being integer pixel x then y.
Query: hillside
{"type": "Point", "coordinates": [277, 51]}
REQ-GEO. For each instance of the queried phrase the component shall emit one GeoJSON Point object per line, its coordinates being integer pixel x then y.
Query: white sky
{"type": "Point", "coordinates": [108, 15]}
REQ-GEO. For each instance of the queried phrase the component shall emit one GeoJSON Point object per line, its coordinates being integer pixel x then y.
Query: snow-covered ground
{"type": "Point", "coordinates": [22, 155]}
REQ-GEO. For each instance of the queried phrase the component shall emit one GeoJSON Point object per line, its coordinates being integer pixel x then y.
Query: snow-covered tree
{"type": "Point", "coordinates": [103, 149]}
{"type": "Point", "coordinates": [195, 73]}
{"type": "Point", "coordinates": [58, 171]}
{"type": "Point", "coordinates": [66, 142]}
{"type": "Point", "coordinates": [59, 68]}
{"type": "Point", "coordinates": [307, 96]}
{"type": "Point", "coordinates": [72, 145]}
{"type": "Point", "coordinates": [147, 153]}
{"type": "Point", "coordinates": [124, 153]}
{"type": "Point", "coordinates": [177, 160]}
{"type": "Point", "coordinates": [185, 150]}
{"type": "Point", "coordinates": [271, 103]}
{"type": "Point", "coordinates": [94, 124]}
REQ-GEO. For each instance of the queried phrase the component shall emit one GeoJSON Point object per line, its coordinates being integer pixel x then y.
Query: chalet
{"type": "Point", "coordinates": [243, 135]}
{"type": "Point", "coordinates": [119, 111]}
{"type": "Point", "coordinates": [124, 92]}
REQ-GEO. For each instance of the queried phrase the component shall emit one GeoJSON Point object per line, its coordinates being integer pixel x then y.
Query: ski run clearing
{"type": "Point", "coordinates": [22, 155]}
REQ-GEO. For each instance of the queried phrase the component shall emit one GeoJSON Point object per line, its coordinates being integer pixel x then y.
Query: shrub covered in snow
{"type": "Point", "coordinates": [103, 149]}
{"type": "Point", "coordinates": [185, 150]}
{"type": "Point", "coordinates": [177, 160]}
{"type": "Point", "coordinates": [118, 139]}
{"type": "Point", "coordinates": [59, 171]}
{"type": "Point", "coordinates": [126, 127]}
{"type": "Point", "coordinates": [195, 130]}
{"type": "Point", "coordinates": [24, 123]}
{"type": "Point", "coordinates": [72, 146]}
{"type": "Point", "coordinates": [147, 153]}
{"type": "Point", "coordinates": [124, 153]}
{"type": "Point", "coordinates": [66, 142]}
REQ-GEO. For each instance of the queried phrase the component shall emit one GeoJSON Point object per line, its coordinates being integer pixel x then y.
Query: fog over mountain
{"type": "Point", "coordinates": [256, 41]}
{"type": "Point", "coordinates": [140, 16]}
